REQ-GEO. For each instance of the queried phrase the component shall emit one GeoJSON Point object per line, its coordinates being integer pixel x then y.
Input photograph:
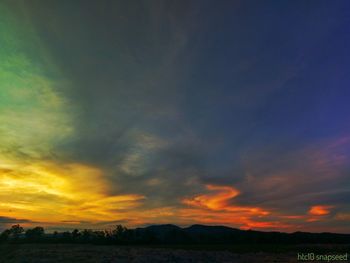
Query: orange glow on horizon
{"type": "Point", "coordinates": [78, 195]}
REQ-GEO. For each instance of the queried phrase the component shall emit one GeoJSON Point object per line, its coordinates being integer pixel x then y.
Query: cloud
{"type": "Point", "coordinates": [217, 206]}
{"type": "Point", "coordinates": [300, 175]}
{"type": "Point", "coordinates": [10, 220]}
{"type": "Point", "coordinates": [343, 216]}
{"type": "Point", "coordinates": [34, 114]}
{"type": "Point", "coordinates": [320, 210]}
{"type": "Point", "coordinates": [50, 192]}
{"type": "Point", "coordinates": [220, 201]}
{"type": "Point", "coordinates": [7, 222]}
{"type": "Point", "coordinates": [282, 187]}
{"type": "Point", "coordinates": [146, 112]}
{"type": "Point", "coordinates": [216, 201]}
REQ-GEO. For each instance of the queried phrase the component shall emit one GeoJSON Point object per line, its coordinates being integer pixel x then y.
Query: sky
{"type": "Point", "coordinates": [228, 113]}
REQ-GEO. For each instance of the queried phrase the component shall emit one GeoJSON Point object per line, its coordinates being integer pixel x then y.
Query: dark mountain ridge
{"type": "Point", "coordinates": [223, 234]}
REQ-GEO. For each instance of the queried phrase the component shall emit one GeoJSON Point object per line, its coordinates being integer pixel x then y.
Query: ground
{"type": "Point", "coordinates": [76, 253]}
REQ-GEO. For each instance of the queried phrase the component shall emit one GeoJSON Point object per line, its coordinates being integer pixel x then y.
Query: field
{"type": "Point", "coordinates": [77, 253]}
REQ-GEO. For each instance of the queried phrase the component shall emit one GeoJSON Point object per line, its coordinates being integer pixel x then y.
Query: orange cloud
{"type": "Point", "coordinates": [220, 199]}
{"type": "Point", "coordinates": [216, 207]}
{"type": "Point", "coordinates": [214, 201]}
{"type": "Point", "coordinates": [251, 224]}
{"type": "Point", "coordinates": [320, 210]}
{"type": "Point", "coordinates": [343, 216]}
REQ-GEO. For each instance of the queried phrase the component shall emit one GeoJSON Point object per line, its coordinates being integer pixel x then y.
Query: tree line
{"type": "Point", "coordinates": [17, 234]}
{"type": "Point", "coordinates": [167, 234]}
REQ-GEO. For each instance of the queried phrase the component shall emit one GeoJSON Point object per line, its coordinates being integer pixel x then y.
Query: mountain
{"type": "Point", "coordinates": [203, 229]}
{"type": "Point", "coordinates": [162, 233]}
{"type": "Point", "coordinates": [196, 234]}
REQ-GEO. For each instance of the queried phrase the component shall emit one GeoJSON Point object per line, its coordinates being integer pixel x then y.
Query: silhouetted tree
{"type": "Point", "coordinates": [4, 236]}
{"type": "Point", "coordinates": [16, 230]}
{"type": "Point", "coordinates": [76, 234]}
{"type": "Point", "coordinates": [35, 234]}
{"type": "Point", "coordinates": [120, 234]}
{"type": "Point", "coordinates": [66, 237]}
{"type": "Point", "coordinates": [86, 235]}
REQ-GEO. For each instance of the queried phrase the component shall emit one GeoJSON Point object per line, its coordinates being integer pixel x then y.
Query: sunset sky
{"type": "Point", "coordinates": [229, 113]}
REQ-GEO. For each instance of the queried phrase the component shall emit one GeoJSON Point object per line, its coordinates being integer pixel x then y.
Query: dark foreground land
{"type": "Point", "coordinates": [87, 253]}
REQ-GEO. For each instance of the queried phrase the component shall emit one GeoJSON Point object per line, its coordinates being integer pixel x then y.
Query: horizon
{"type": "Point", "coordinates": [183, 227]}
{"type": "Point", "coordinates": [233, 113]}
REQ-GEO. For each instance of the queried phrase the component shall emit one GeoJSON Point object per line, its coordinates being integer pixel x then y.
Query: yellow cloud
{"type": "Point", "coordinates": [50, 192]}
